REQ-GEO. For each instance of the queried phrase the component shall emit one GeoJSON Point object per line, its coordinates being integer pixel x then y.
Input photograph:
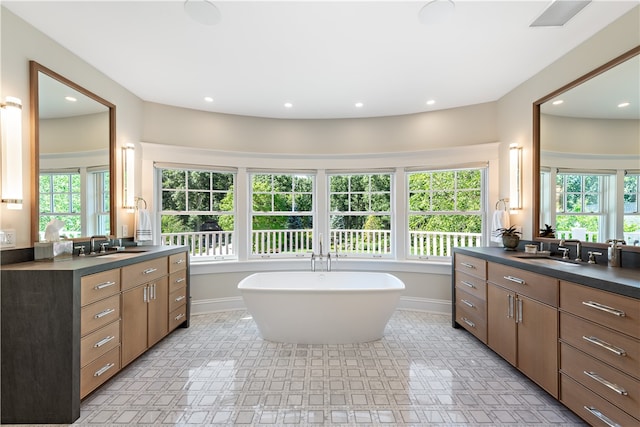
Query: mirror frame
{"type": "Point", "coordinates": [535, 182]}
{"type": "Point", "coordinates": [34, 69]}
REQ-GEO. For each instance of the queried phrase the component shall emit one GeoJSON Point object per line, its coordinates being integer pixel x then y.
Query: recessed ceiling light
{"type": "Point", "coordinates": [359, 104]}
{"type": "Point", "coordinates": [70, 98]}
{"type": "Point", "coordinates": [623, 104]}
{"type": "Point", "coordinates": [431, 102]}
{"type": "Point", "coordinates": [208, 99]}
{"type": "Point", "coordinates": [557, 102]}
{"type": "Point", "coordinates": [202, 11]}
{"type": "Point", "coordinates": [288, 105]}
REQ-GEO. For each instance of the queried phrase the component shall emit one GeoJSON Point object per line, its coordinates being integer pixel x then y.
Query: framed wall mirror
{"type": "Point", "coordinates": [586, 155]}
{"type": "Point", "coordinates": [73, 149]}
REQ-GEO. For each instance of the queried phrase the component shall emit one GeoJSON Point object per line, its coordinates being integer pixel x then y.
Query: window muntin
{"type": "Point", "coordinates": [580, 206]}
{"type": "Point", "coordinates": [281, 214]}
{"type": "Point", "coordinates": [60, 198]}
{"type": "Point", "coordinates": [444, 211]}
{"type": "Point", "coordinates": [631, 197]}
{"type": "Point", "coordinates": [198, 209]}
{"type": "Point", "coordinates": [360, 214]}
{"type": "Point", "coordinates": [101, 200]}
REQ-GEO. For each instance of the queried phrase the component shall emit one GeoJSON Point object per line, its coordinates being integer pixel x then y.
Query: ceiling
{"type": "Point", "coordinates": [323, 57]}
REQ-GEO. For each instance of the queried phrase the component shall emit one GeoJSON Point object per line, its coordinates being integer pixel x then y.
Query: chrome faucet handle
{"type": "Point", "coordinates": [565, 252]}
{"type": "Point", "coordinates": [592, 257]}
{"type": "Point", "coordinates": [103, 247]}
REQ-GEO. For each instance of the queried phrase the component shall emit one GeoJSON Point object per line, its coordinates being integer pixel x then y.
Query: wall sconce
{"type": "Point", "coordinates": [11, 124]}
{"type": "Point", "coordinates": [128, 189]}
{"type": "Point", "coordinates": [515, 177]}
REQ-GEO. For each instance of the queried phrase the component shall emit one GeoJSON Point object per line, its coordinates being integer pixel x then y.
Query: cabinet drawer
{"type": "Point", "coordinates": [96, 315]}
{"type": "Point", "coordinates": [471, 285]}
{"type": "Point", "coordinates": [177, 262]}
{"type": "Point", "coordinates": [471, 314]}
{"type": "Point", "coordinates": [97, 286]}
{"type": "Point", "coordinates": [177, 298]}
{"type": "Point", "coordinates": [470, 265]}
{"type": "Point", "coordinates": [618, 350]}
{"type": "Point", "coordinates": [136, 274]}
{"type": "Point", "coordinates": [177, 280]}
{"type": "Point", "coordinates": [99, 342]}
{"type": "Point", "coordinates": [578, 398]}
{"type": "Point", "coordinates": [98, 371]}
{"type": "Point", "coordinates": [176, 317]}
{"type": "Point", "coordinates": [618, 388]}
{"type": "Point", "coordinates": [533, 285]}
{"type": "Point", "coordinates": [615, 311]}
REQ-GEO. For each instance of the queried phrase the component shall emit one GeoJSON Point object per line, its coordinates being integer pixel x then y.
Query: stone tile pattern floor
{"type": "Point", "coordinates": [422, 373]}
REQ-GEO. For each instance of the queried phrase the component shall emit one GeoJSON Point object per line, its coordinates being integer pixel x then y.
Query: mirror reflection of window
{"type": "Point", "coordinates": [60, 198]}
{"type": "Point", "coordinates": [632, 208]}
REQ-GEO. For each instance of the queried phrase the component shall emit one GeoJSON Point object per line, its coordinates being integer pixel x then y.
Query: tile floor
{"type": "Point", "coordinates": [422, 373]}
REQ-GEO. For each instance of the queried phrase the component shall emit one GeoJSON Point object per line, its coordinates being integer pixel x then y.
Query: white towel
{"type": "Point", "coordinates": [500, 220]}
{"type": "Point", "coordinates": [143, 226]}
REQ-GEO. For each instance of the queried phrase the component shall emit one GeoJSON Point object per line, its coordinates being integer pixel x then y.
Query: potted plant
{"type": "Point", "coordinates": [547, 231]}
{"type": "Point", "coordinates": [510, 237]}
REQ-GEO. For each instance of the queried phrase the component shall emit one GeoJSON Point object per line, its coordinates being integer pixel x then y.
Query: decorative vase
{"type": "Point", "coordinates": [510, 243]}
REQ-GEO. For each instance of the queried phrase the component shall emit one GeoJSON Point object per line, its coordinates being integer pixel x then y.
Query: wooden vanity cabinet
{"type": "Point", "coordinates": [470, 295]}
{"type": "Point", "coordinates": [522, 322]}
{"type": "Point", "coordinates": [178, 292]}
{"type": "Point", "coordinates": [600, 355]}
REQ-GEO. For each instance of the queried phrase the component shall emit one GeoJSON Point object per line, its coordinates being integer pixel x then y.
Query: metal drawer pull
{"type": "Point", "coordinates": [103, 341]}
{"type": "Point", "coordinates": [468, 322]}
{"type": "Point", "coordinates": [180, 261]}
{"type": "Point", "coordinates": [180, 280]}
{"type": "Point", "coordinates": [605, 345]}
{"type": "Point", "coordinates": [465, 302]}
{"type": "Point", "coordinates": [514, 279]}
{"type": "Point", "coordinates": [104, 313]}
{"type": "Point", "coordinates": [602, 417]}
{"type": "Point", "coordinates": [179, 316]}
{"type": "Point", "coordinates": [467, 284]}
{"type": "Point", "coordinates": [604, 308]}
{"type": "Point", "coordinates": [149, 270]}
{"type": "Point", "coordinates": [466, 264]}
{"type": "Point", "coordinates": [104, 285]}
{"type": "Point", "coordinates": [606, 383]}
{"type": "Point", "coordinates": [180, 298]}
{"type": "Point", "coordinates": [104, 369]}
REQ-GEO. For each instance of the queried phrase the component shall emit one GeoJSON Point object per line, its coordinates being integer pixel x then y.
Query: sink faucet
{"type": "Point", "coordinates": [578, 247]}
{"type": "Point", "coordinates": [93, 242]}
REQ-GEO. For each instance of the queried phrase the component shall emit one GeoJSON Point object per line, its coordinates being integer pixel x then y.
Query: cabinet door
{"type": "Point", "coordinates": [134, 323]}
{"type": "Point", "coordinates": [158, 310]}
{"type": "Point", "coordinates": [501, 325]}
{"type": "Point", "coordinates": [538, 342]}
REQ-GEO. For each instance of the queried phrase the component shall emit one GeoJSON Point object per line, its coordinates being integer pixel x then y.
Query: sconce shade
{"type": "Point", "coordinates": [11, 124]}
{"type": "Point", "coordinates": [515, 177]}
{"type": "Point", "coordinates": [128, 189]}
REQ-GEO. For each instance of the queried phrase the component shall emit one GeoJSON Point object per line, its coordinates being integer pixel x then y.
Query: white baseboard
{"type": "Point", "coordinates": [236, 303]}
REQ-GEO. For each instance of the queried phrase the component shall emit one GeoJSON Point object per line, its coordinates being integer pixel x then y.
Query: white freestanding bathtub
{"type": "Point", "coordinates": [336, 307]}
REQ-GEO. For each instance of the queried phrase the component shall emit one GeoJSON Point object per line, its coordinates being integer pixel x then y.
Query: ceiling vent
{"type": "Point", "coordinates": [559, 12]}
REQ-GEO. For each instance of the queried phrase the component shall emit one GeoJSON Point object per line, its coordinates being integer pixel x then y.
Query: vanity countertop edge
{"type": "Point", "coordinates": [622, 281]}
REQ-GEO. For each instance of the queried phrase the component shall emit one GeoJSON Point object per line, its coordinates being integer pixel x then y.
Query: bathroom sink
{"type": "Point", "coordinates": [554, 261]}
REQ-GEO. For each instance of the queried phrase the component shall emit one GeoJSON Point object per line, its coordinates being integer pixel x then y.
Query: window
{"type": "Point", "coordinates": [60, 198]}
{"type": "Point", "coordinates": [579, 206]}
{"type": "Point", "coordinates": [445, 211]}
{"type": "Point", "coordinates": [281, 213]}
{"type": "Point", "coordinates": [197, 210]}
{"type": "Point", "coordinates": [360, 211]}
{"type": "Point", "coordinates": [101, 202]}
{"type": "Point", "coordinates": [632, 208]}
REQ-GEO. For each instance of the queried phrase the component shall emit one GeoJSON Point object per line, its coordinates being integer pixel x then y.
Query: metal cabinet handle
{"type": "Point", "coordinates": [179, 316]}
{"type": "Point", "coordinates": [597, 341]}
{"type": "Point", "coordinates": [180, 298]}
{"type": "Point", "coordinates": [466, 264]}
{"type": "Point", "coordinates": [468, 322]}
{"type": "Point", "coordinates": [104, 313]}
{"type": "Point", "coordinates": [519, 309]}
{"type": "Point", "coordinates": [145, 294]}
{"type": "Point", "coordinates": [149, 270]}
{"type": "Point", "coordinates": [104, 369]}
{"type": "Point", "coordinates": [153, 291]}
{"type": "Point", "coordinates": [180, 261]}
{"type": "Point", "coordinates": [515, 279]}
{"type": "Point", "coordinates": [467, 303]}
{"type": "Point", "coordinates": [103, 341]}
{"type": "Point", "coordinates": [104, 285]}
{"type": "Point", "coordinates": [509, 306]}
{"type": "Point", "coordinates": [606, 383]}
{"type": "Point", "coordinates": [604, 308]}
{"type": "Point", "coordinates": [602, 417]}
{"type": "Point", "coordinates": [471, 285]}
{"type": "Point", "coordinates": [180, 280]}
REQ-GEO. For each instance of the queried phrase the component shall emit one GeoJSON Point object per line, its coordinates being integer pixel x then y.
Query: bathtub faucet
{"type": "Point", "coordinates": [319, 257]}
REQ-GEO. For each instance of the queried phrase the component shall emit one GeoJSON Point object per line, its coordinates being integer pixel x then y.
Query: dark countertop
{"type": "Point", "coordinates": [95, 264]}
{"type": "Point", "coordinates": [623, 281]}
